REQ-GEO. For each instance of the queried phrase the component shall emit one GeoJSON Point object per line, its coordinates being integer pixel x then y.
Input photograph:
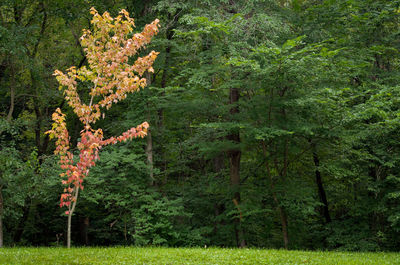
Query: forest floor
{"type": "Point", "coordinates": [153, 255]}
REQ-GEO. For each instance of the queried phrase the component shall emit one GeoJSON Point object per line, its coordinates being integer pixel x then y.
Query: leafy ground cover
{"type": "Point", "coordinates": [132, 255]}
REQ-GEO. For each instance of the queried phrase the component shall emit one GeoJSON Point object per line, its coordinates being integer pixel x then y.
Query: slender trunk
{"type": "Point", "coordinates": [1, 217]}
{"type": "Point", "coordinates": [284, 222]}
{"type": "Point", "coordinates": [321, 190]}
{"type": "Point", "coordinates": [281, 210]}
{"type": "Point", "coordinates": [234, 160]}
{"type": "Point", "coordinates": [234, 163]}
{"type": "Point", "coordinates": [149, 146]}
{"type": "Point", "coordinates": [71, 211]}
{"type": "Point", "coordinates": [69, 231]}
{"type": "Point", "coordinates": [149, 154]}
{"type": "Point", "coordinates": [12, 100]}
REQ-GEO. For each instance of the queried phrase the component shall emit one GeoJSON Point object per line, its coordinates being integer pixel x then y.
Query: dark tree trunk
{"type": "Point", "coordinates": [12, 100]}
{"type": "Point", "coordinates": [234, 164]}
{"type": "Point", "coordinates": [284, 222]}
{"type": "Point", "coordinates": [169, 34]}
{"type": "Point", "coordinates": [321, 190]}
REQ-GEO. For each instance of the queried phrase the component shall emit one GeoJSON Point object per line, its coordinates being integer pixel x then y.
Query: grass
{"type": "Point", "coordinates": [133, 255]}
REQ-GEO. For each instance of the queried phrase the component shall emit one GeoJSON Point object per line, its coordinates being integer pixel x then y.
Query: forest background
{"type": "Point", "coordinates": [273, 123]}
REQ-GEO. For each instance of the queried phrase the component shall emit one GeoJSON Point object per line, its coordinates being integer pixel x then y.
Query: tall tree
{"type": "Point", "coordinates": [108, 49]}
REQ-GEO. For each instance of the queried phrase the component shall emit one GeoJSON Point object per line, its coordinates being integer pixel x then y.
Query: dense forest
{"type": "Point", "coordinates": [273, 124]}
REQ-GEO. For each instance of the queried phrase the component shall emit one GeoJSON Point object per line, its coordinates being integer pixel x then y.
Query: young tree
{"type": "Point", "coordinates": [108, 50]}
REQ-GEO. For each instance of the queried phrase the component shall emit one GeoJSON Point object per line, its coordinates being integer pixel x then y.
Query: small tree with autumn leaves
{"type": "Point", "coordinates": [108, 50]}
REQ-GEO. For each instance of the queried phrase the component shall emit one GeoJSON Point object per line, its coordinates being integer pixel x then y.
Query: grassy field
{"type": "Point", "coordinates": [131, 255]}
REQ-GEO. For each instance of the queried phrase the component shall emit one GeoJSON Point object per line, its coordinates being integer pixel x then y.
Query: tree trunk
{"type": "Point", "coordinates": [321, 190]}
{"type": "Point", "coordinates": [284, 222]}
{"type": "Point", "coordinates": [69, 231]}
{"type": "Point", "coordinates": [71, 211]}
{"type": "Point", "coordinates": [149, 146]}
{"type": "Point", "coordinates": [12, 100]}
{"type": "Point", "coordinates": [234, 163]}
{"type": "Point", "coordinates": [169, 34]}
{"type": "Point", "coordinates": [1, 217]}
{"type": "Point", "coordinates": [149, 154]}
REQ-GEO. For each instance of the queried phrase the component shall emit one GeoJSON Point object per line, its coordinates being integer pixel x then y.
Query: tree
{"type": "Point", "coordinates": [108, 50]}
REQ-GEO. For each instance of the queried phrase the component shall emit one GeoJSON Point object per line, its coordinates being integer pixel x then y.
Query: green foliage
{"type": "Point", "coordinates": [139, 214]}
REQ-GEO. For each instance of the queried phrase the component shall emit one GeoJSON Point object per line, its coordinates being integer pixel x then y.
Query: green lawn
{"type": "Point", "coordinates": [132, 255]}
